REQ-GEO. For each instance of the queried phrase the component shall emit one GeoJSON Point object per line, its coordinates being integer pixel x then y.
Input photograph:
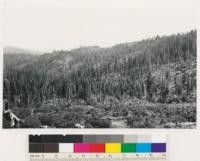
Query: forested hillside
{"type": "Point", "coordinates": [149, 83]}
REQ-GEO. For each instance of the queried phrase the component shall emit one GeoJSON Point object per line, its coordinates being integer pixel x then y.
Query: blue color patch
{"type": "Point", "coordinates": [143, 148]}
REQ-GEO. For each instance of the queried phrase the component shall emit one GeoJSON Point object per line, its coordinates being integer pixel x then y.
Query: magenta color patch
{"type": "Point", "coordinates": [81, 148]}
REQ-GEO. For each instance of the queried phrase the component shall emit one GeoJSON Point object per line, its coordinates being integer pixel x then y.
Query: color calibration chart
{"type": "Point", "coordinates": [98, 147]}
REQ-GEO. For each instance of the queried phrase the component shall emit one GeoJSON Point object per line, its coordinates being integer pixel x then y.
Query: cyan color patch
{"type": "Point", "coordinates": [143, 148]}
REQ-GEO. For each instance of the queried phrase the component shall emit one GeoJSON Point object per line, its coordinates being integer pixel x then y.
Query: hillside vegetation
{"type": "Point", "coordinates": [145, 84]}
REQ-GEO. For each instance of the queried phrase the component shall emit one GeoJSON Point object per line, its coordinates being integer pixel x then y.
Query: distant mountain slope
{"type": "Point", "coordinates": [18, 50]}
{"type": "Point", "coordinates": [14, 50]}
{"type": "Point", "coordinates": [18, 60]}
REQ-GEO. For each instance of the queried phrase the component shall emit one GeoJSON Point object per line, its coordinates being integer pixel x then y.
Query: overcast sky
{"type": "Point", "coordinates": [42, 27]}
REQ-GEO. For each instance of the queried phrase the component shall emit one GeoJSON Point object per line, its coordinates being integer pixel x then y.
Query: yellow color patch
{"type": "Point", "coordinates": [113, 148]}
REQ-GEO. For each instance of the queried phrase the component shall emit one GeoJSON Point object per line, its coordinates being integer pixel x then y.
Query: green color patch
{"type": "Point", "coordinates": [128, 148]}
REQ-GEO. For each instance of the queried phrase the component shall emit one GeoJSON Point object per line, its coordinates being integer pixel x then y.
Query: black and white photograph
{"type": "Point", "coordinates": [99, 66]}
